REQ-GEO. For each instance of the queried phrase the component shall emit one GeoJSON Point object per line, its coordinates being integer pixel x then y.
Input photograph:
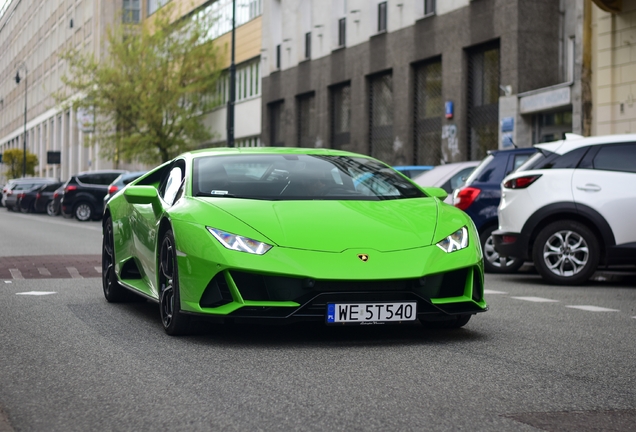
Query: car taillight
{"type": "Point", "coordinates": [55, 195]}
{"type": "Point", "coordinates": [38, 195]}
{"type": "Point", "coordinates": [112, 189]}
{"type": "Point", "coordinates": [20, 195]}
{"type": "Point", "coordinates": [521, 182]}
{"type": "Point", "coordinates": [70, 188]}
{"type": "Point", "coordinates": [465, 197]}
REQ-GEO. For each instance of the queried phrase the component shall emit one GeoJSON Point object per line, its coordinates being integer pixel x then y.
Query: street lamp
{"type": "Point", "coordinates": [17, 81]}
{"type": "Point", "coordinates": [230, 102]}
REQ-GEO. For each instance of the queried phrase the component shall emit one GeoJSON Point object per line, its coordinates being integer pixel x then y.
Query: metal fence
{"type": "Point", "coordinates": [381, 118]}
{"type": "Point", "coordinates": [483, 101]}
{"type": "Point", "coordinates": [429, 109]}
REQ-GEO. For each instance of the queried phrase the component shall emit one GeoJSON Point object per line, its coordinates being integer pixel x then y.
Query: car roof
{"type": "Point", "coordinates": [217, 151]}
{"type": "Point", "coordinates": [572, 142]}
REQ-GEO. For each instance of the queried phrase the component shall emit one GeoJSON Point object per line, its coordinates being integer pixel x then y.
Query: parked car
{"type": "Point", "coordinates": [53, 208]}
{"type": "Point", "coordinates": [120, 182]}
{"type": "Point", "coordinates": [84, 194]}
{"type": "Point", "coordinates": [6, 189]}
{"type": "Point", "coordinates": [412, 171]}
{"type": "Point", "coordinates": [231, 230]}
{"type": "Point", "coordinates": [480, 197]}
{"type": "Point", "coordinates": [38, 201]}
{"type": "Point", "coordinates": [448, 177]}
{"type": "Point", "coordinates": [19, 186]}
{"type": "Point", "coordinates": [570, 209]}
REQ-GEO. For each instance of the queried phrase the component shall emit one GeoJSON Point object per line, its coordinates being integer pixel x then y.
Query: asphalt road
{"type": "Point", "coordinates": [543, 358]}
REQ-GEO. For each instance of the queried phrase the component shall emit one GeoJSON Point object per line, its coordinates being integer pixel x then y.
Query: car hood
{"type": "Point", "coordinates": [335, 226]}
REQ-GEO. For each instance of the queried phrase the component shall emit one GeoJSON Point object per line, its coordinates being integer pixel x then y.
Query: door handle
{"type": "Point", "coordinates": [589, 188]}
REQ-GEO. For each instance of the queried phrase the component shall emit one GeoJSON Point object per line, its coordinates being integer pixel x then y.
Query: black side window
{"type": "Point", "coordinates": [568, 160]}
{"type": "Point", "coordinates": [618, 157]}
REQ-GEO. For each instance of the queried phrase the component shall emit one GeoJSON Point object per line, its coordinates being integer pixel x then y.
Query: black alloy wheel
{"type": "Point", "coordinates": [113, 291]}
{"type": "Point", "coordinates": [83, 211]}
{"type": "Point", "coordinates": [493, 262]}
{"type": "Point", "coordinates": [566, 253]}
{"type": "Point", "coordinates": [174, 321]}
{"type": "Point", "coordinates": [50, 209]}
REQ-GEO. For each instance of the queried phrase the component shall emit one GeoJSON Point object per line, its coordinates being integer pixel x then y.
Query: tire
{"type": "Point", "coordinates": [456, 321]}
{"type": "Point", "coordinates": [566, 253]}
{"type": "Point", "coordinates": [27, 209]}
{"type": "Point", "coordinates": [113, 291]}
{"type": "Point", "coordinates": [50, 209]}
{"type": "Point", "coordinates": [493, 263]}
{"type": "Point", "coordinates": [83, 211]}
{"type": "Point", "coordinates": [174, 321]}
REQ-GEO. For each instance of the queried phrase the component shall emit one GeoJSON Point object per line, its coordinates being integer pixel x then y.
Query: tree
{"type": "Point", "coordinates": [13, 159]}
{"type": "Point", "coordinates": [149, 92]}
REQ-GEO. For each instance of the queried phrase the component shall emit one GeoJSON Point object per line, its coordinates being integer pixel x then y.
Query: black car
{"type": "Point", "coordinates": [480, 197]}
{"type": "Point", "coordinates": [84, 194]}
{"type": "Point", "coordinates": [21, 187]}
{"type": "Point", "coordinates": [53, 208]}
{"type": "Point", "coordinates": [37, 200]}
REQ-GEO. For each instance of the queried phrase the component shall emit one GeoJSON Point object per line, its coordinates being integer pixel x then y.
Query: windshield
{"type": "Point", "coordinates": [298, 177]}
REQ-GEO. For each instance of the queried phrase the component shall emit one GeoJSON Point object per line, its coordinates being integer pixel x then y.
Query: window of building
{"type": "Point", "coordinates": [247, 83]}
{"type": "Point", "coordinates": [254, 141]}
{"type": "Point", "coordinates": [132, 11]}
{"type": "Point", "coordinates": [381, 17]}
{"type": "Point", "coordinates": [341, 116]}
{"type": "Point", "coordinates": [483, 100]}
{"type": "Point", "coordinates": [552, 126]}
{"type": "Point", "coordinates": [154, 5]}
{"type": "Point", "coordinates": [308, 45]}
{"type": "Point", "coordinates": [276, 124]}
{"type": "Point", "coordinates": [342, 32]}
{"type": "Point", "coordinates": [381, 118]}
{"type": "Point", "coordinates": [278, 56]}
{"type": "Point", "coordinates": [220, 13]}
{"type": "Point", "coordinates": [429, 7]}
{"type": "Point", "coordinates": [429, 109]}
{"type": "Point", "coordinates": [306, 120]}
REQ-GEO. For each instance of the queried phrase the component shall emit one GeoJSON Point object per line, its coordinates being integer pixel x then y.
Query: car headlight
{"type": "Point", "coordinates": [239, 243]}
{"type": "Point", "coordinates": [454, 242]}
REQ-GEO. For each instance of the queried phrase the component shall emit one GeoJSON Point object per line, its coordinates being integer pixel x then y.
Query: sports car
{"type": "Point", "coordinates": [277, 235]}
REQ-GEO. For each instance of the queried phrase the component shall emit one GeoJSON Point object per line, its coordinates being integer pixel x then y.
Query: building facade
{"type": "Point", "coordinates": [422, 81]}
{"type": "Point", "coordinates": [33, 35]}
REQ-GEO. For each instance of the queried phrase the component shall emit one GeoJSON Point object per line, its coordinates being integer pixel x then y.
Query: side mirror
{"type": "Point", "coordinates": [436, 192]}
{"type": "Point", "coordinates": [141, 194]}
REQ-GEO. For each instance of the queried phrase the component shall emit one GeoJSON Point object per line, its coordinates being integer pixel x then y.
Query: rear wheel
{"type": "Point", "coordinates": [493, 262]}
{"type": "Point", "coordinates": [174, 321]}
{"type": "Point", "coordinates": [27, 209]}
{"type": "Point", "coordinates": [113, 291]}
{"type": "Point", "coordinates": [83, 211]}
{"type": "Point", "coordinates": [566, 253]}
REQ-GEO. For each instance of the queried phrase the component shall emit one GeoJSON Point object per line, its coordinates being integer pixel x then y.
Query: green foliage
{"type": "Point", "coordinates": [13, 159]}
{"type": "Point", "coordinates": [150, 90]}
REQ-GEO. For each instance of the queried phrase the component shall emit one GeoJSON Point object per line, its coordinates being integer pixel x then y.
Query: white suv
{"type": "Point", "coordinates": [571, 208]}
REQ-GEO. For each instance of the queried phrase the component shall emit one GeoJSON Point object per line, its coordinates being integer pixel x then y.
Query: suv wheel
{"type": "Point", "coordinates": [83, 211]}
{"type": "Point", "coordinates": [493, 263]}
{"type": "Point", "coordinates": [566, 253]}
{"type": "Point", "coordinates": [50, 209]}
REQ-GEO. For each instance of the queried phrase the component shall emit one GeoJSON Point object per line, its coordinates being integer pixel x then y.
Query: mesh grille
{"type": "Point", "coordinates": [483, 101]}
{"type": "Point", "coordinates": [341, 117]}
{"type": "Point", "coordinates": [306, 121]}
{"type": "Point", "coordinates": [428, 114]}
{"type": "Point", "coordinates": [381, 118]}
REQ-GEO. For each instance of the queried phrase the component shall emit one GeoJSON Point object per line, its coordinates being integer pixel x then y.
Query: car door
{"type": "Point", "coordinates": [606, 182]}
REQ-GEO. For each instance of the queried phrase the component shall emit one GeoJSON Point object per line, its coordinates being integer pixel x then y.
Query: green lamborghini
{"type": "Point", "coordinates": [273, 235]}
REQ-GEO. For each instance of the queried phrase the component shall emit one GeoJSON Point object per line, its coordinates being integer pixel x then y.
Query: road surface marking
{"type": "Point", "coordinates": [44, 271]}
{"type": "Point", "coordinates": [98, 269]}
{"type": "Point", "coordinates": [593, 308]}
{"type": "Point", "coordinates": [36, 293]}
{"type": "Point", "coordinates": [535, 299]}
{"type": "Point", "coordinates": [74, 273]}
{"type": "Point", "coordinates": [487, 291]}
{"type": "Point", "coordinates": [16, 274]}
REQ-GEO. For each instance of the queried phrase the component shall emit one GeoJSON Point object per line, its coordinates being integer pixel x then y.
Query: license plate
{"type": "Point", "coordinates": [359, 313]}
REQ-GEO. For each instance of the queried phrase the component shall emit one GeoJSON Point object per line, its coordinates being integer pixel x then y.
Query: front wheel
{"type": "Point", "coordinates": [113, 291]}
{"type": "Point", "coordinates": [566, 253]}
{"type": "Point", "coordinates": [493, 262]}
{"type": "Point", "coordinates": [174, 321]}
{"type": "Point", "coordinates": [50, 209]}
